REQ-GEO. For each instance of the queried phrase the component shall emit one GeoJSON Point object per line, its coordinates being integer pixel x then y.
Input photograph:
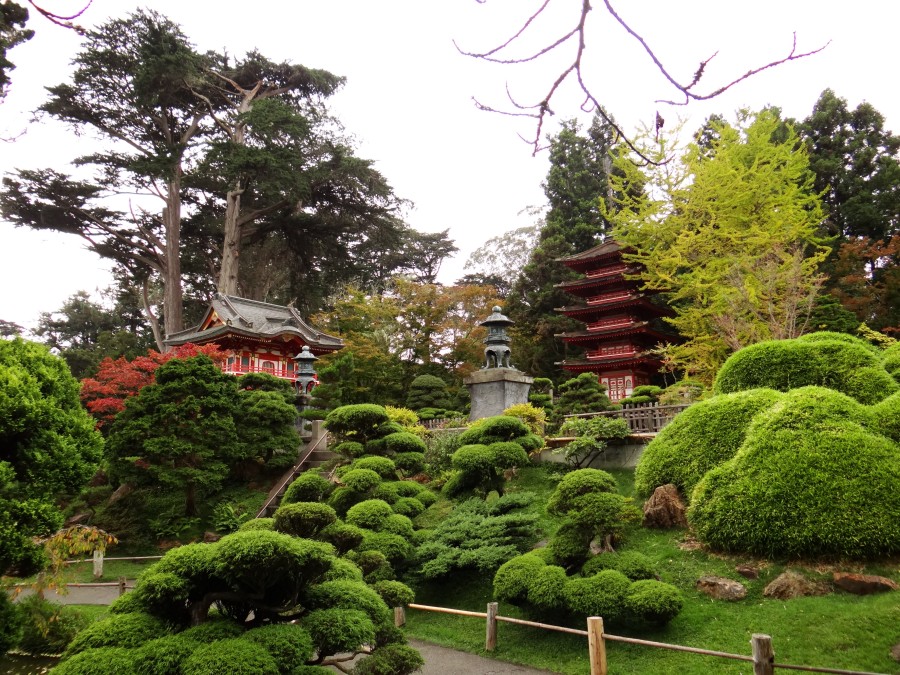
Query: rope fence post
{"type": "Point", "coordinates": [596, 645]}
{"type": "Point", "coordinates": [98, 563]}
{"type": "Point", "coordinates": [121, 585]}
{"type": "Point", "coordinates": [763, 654]}
{"type": "Point", "coordinates": [399, 616]}
{"type": "Point", "coordinates": [490, 638]}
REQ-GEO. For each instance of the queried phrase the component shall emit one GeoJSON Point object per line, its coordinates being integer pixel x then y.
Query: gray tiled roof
{"type": "Point", "coordinates": [254, 318]}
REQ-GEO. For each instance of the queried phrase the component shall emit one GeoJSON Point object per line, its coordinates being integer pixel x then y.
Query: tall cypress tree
{"type": "Point", "coordinates": [578, 178]}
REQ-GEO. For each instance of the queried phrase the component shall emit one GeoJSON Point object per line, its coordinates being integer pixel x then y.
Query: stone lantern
{"type": "Point", "coordinates": [498, 385]}
{"type": "Point", "coordinates": [497, 353]}
{"type": "Point", "coordinates": [306, 371]}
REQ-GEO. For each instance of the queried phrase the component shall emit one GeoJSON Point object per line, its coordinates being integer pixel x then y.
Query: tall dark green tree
{"type": "Point", "coordinates": [856, 162]}
{"type": "Point", "coordinates": [12, 32]}
{"type": "Point", "coordinates": [580, 164]}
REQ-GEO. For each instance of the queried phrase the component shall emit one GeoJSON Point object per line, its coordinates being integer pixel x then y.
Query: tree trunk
{"type": "Point", "coordinates": [190, 500]}
{"type": "Point", "coordinates": [231, 247]}
{"type": "Point", "coordinates": [173, 308]}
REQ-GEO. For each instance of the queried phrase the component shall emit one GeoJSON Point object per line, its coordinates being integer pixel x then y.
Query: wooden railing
{"type": "Point", "coordinates": [278, 490]}
{"type": "Point", "coordinates": [762, 654]}
{"type": "Point", "coordinates": [643, 418]}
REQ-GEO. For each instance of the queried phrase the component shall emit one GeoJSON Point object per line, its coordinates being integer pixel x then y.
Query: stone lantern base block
{"type": "Point", "coordinates": [493, 390]}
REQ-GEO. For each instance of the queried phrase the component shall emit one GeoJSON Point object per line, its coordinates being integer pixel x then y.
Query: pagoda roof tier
{"type": "Point", "coordinates": [609, 365]}
{"type": "Point", "coordinates": [587, 287]}
{"type": "Point", "coordinates": [610, 250]}
{"type": "Point", "coordinates": [638, 328]}
{"type": "Point", "coordinates": [637, 300]}
{"type": "Point", "coordinates": [230, 319]}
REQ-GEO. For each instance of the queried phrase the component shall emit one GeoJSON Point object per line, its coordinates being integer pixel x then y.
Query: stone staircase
{"type": "Point", "coordinates": [313, 453]}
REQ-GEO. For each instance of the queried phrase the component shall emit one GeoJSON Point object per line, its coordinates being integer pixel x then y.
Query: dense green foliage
{"type": "Point", "coordinates": [581, 394]}
{"type": "Point", "coordinates": [591, 436]}
{"type": "Point", "coordinates": [10, 624]}
{"type": "Point", "coordinates": [428, 391]}
{"type": "Point", "coordinates": [48, 448]}
{"type": "Point", "coordinates": [810, 480]}
{"type": "Point", "coordinates": [47, 627]}
{"type": "Point", "coordinates": [698, 439]}
{"type": "Point", "coordinates": [839, 364]}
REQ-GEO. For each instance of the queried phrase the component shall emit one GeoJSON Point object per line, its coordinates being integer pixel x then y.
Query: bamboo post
{"type": "Point", "coordinates": [399, 616]}
{"type": "Point", "coordinates": [763, 655]}
{"type": "Point", "coordinates": [490, 638]}
{"type": "Point", "coordinates": [98, 563]}
{"type": "Point", "coordinates": [596, 645]}
{"type": "Point", "coordinates": [121, 585]}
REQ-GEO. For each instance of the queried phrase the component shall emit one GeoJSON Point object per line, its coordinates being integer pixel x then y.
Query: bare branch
{"type": "Point", "coordinates": [64, 21]}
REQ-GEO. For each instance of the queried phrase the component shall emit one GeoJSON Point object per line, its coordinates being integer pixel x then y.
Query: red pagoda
{"type": "Point", "coordinates": [621, 321]}
{"type": "Point", "coordinates": [258, 337]}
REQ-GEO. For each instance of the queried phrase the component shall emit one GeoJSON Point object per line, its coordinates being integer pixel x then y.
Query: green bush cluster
{"type": "Point", "coordinates": [813, 478]}
{"type": "Point", "coordinates": [262, 580]}
{"type": "Point", "coordinates": [845, 364]}
{"type": "Point", "coordinates": [531, 582]}
{"type": "Point", "coordinates": [309, 486]}
{"type": "Point", "coordinates": [478, 536]}
{"type": "Point", "coordinates": [304, 519]}
{"type": "Point", "coordinates": [46, 627]}
{"type": "Point", "coordinates": [698, 439]}
{"type": "Point", "coordinates": [891, 361]}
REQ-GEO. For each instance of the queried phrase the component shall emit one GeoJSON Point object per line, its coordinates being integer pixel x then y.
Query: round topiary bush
{"type": "Point", "coordinates": [653, 601]}
{"type": "Point", "coordinates": [392, 659]}
{"type": "Point", "coordinates": [426, 498]}
{"type": "Point", "coordinates": [600, 595]}
{"type": "Point", "coordinates": [354, 595]}
{"type": "Point", "coordinates": [304, 519]}
{"type": "Point", "coordinates": [408, 488]}
{"type": "Point", "coordinates": [118, 630]}
{"type": "Point", "coordinates": [258, 524]}
{"type": "Point", "coordinates": [217, 628]}
{"type": "Point", "coordinates": [394, 547]}
{"type": "Point", "coordinates": [164, 656]}
{"type": "Point", "coordinates": [570, 546]}
{"type": "Point", "coordinates": [508, 454]}
{"type": "Point", "coordinates": [575, 485]}
{"type": "Point", "coordinates": [343, 498]}
{"type": "Point", "coordinates": [343, 536]}
{"type": "Point", "coordinates": [824, 335]}
{"type": "Point", "coordinates": [350, 449]}
{"type": "Point", "coordinates": [547, 588]}
{"type": "Point", "coordinates": [494, 429]}
{"type": "Point", "coordinates": [886, 417]}
{"type": "Point", "coordinates": [369, 514]}
{"type": "Point", "coordinates": [361, 480]}
{"type": "Point", "coordinates": [394, 593]}
{"type": "Point", "coordinates": [408, 506]}
{"type": "Point", "coordinates": [805, 483]}
{"type": "Point", "coordinates": [410, 463]}
{"type": "Point", "coordinates": [698, 439]}
{"type": "Point", "coordinates": [398, 524]}
{"type": "Point", "coordinates": [403, 442]}
{"type": "Point", "coordinates": [98, 661]}
{"type": "Point", "coordinates": [288, 644]}
{"type": "Point", "coordinates": [237, 656]}
{"type": "Point", "coordinates": [383, 466]}
{"type": "Point", "coordinates": [358, 422]}
{"type": "Point", "coordinates": [386, 492]}
{"type": "Point", "coordinates": [309, 486]}
{"type": "Point", "coordinates": [891, 361]}
{"type": "Point", "coordinates": [339, 630]}
{"type": "Point", "coordinates": [513, 577]}
{"type": "Point", "coordinates": [789, 364]}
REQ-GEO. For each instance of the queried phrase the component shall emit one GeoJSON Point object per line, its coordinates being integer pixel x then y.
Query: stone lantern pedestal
{"type": "Point", "coordinates": [493, 390]}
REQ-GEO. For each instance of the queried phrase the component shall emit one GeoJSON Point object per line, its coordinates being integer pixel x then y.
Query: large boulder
{"type": "Point", "coordinates": [863, 584]}
{"type": "Point", "coordinates": [721, 588]}
{"type": "Point", "coordinates": [792, 584]}
{"type": "Point", "coordinates": [665, 509]}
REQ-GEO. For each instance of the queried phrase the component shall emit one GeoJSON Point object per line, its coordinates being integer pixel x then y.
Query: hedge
{"type": "Point", "coordinates": [235, 657]}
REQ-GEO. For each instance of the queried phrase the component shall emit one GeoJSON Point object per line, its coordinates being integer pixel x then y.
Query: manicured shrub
{"type": "Point", "coordinates": [392, 659]}
{"type": "Point", "coordinates": [653, 601]}
{"type": "Point", "coordinates": [570, 546]}
{"type": "Point", "coordinates": [403, 442]}
{"type": "Point", "coordinates": [408, 488]}
{"type": "Point", "coordinates": [395, 548]}
{"type": "Point", "coordinates": [530, 442]}
{"type": "Point", "coordinates": [426, 498]}
{"type": "Point", "coordinates": [354, 595]}
{"type": "Point", "coordinates": [546, 589]}
{"type": "Point", "coordinates": [356, 422]}
{"type": "Point", "coordinates": [701, 437]}
{"type": "Point", "coordinates": [394, 593]}
{"type": "Point", "coordinates": [575, 485]}
{"type": "Point", "coordinates": [408, 506]}
{"type": "Point", "coordinates": [164, 594]}
{"type": "Point", "coordinates": [343, 498]}
{"type": "Point", "coordinates": [217, 628]}
{"type": "Point", "coordinates": [824, 335]}
{"type": "Point", "coordinates": [534, 418]}
{"type": "Point", "coordinates": [383, 466]}
{"type": "Point", "coordinates": [118, 630]}
{"type": "Point", "coordinates": [98, 661]}
{"type": "Point", "coordinates": [494, 429]}
{"type": "Point", "coordinates": [361, 480]}
{"type": "Point", "coordinates": [508, 454]}
{"type": "Point", "coordinates": [309, 486]}
{"type": "Point", "coordinates": [386, 492]}
{"type": "Point", "coordinates": [828, 488]}
{"type": "Point", "coordinates": [427, 391]}
{"type": "Point", "coordinates": [411, 463]}
{"type": "Point", "coordinates": [342, 536]}
{"type": "Point", "coordinates": [304, 519]}
{"type": "Point", "coordinates": [236, 657]}
{"type": "Point", "coordinates": [514, 576]}
{"type": "Point", "coordinates": [369, 514]}
{"type": "Point", "coordinates": [634, 565]}
{"type": "Point", "coordinates": [343, 569]}
{"type": "Point", "coordinates": [164, 656]}
{"type": "Point", "coordinates": [789, 364]}
{"type": "Point", "coordinates": [891, 361]}
{"type": "Point", "coordinates": [339, 630]}
{"type": "Point", "coordinates": [398, 524]}
{"type": "Point", "coordinates": [374, 565]}
{"type": "Point", "coordinates": [258, 524]}
{"type": "Point", "coordinates": [886, 417]}
{"type": "Point", "coordinates": [600, 595]}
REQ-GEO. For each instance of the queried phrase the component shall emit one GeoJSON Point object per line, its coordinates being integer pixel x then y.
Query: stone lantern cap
{"type": "Point", "coordinates": [497, 320]}
{"type": "Point", "coordinates": [306, 359]}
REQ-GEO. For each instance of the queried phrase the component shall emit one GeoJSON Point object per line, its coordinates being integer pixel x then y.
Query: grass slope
{"type": "Point", "coordinates": [833, 631]}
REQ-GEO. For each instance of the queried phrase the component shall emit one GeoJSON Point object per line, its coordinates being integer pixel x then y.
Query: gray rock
{"type": "Point", "coordinates": [791, 584]}
{"type": "Point", "coordinates": [721, 588]}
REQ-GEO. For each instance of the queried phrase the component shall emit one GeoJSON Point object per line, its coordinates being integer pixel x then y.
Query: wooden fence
{"type": "Point", "coordinates": [762, 654]}
{"type": "Point", "coordinates": [643, 418]}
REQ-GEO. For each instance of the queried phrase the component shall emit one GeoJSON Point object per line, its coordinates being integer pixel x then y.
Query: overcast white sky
{"type": "Point", "coordinates": [408, 97]}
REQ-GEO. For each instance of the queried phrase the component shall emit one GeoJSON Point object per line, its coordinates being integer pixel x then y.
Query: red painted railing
{"type": "Point", "coordinates": [605, 272]}
{"type": "Point", "coordinates": [277, 371]}
{"type": "Point", "coordinates": [604, 299]}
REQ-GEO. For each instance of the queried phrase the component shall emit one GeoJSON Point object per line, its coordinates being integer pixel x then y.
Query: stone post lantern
{"type": "Point", "coordinates": [306, 371]}
{"type": "Point", "coordinates": [498, 385]}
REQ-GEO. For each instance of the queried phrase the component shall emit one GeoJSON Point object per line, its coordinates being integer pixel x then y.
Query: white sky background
{"type": "Point", "coordinates": [408, 97]}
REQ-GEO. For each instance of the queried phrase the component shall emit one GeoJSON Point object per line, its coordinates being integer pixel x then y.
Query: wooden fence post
{"type": "Point", "coordinates": [490, 638]}
{"type": "Point", "coordinates": [596, 645]}
{"type": "Point", "coordinates": [121, 585]}
{"type": "Point", "coordinates": [763, 655]}
{"type": "Point", "coordinates": [399, 616]}
{"type": "Point", "coordinates": [98, 563]}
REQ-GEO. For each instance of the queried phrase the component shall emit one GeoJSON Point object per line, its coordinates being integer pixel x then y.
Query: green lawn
{"type": "Point", "coordinates": [833, 631]}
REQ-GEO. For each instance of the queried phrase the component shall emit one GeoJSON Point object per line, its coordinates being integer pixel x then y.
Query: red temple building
{"type": "Point", "coordinates": [257, 337]}
{"type": "Point", "coordinates": [621, 321]}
